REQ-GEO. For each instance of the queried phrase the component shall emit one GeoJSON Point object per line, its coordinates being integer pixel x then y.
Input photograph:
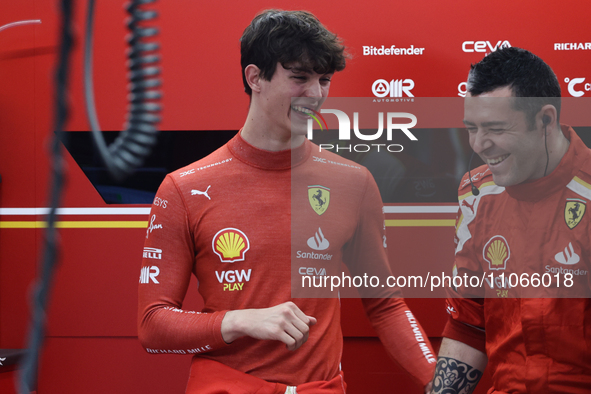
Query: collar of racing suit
{"type": "Point", "coordinates": [268, 160]}
{"type": "Point", "coordinates": [560, 177]}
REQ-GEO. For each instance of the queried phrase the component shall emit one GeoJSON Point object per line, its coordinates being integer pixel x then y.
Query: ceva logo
{"type": "Point", "coordinates": [484, 46]}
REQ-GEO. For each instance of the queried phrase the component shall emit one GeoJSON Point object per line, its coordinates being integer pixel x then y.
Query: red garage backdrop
{"type": "Point", "coordinates": [92, 344]}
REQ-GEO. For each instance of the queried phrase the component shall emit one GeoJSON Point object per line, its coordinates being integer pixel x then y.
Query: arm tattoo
{"type": "Point", "coordinates": [454, 377]}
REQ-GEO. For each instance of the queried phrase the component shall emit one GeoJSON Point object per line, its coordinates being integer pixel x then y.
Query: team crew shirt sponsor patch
{"type": "Point", "coordinates": [152, 253]}
{"type": "Point", "coordinates": [233, 279]}
{"type": "Point", "coordinates": [496, 252]}
{"type": "Point", "coordinates": [158, 202]}
{"type": "Point", "coordinates": [201, 193]}
{"type": "Point", "coordinates": [319, 197]}
{"type": "Point", "coordinates": [574, 211]}
{"type": "Point", "coordinates": [318, 241]}
{"type": "Point", "coordinates": [568, 256]}
{"type": "Point", "coordinates": [180, 351]}
{"type": "Point", "coordinates": [149, 274]}
{"type": "Point", "coordinates": [153, 226]}
{"type": "Point", "coordinates": [230, 244]}
{"type": "Point", "coordinates": [420, 338]}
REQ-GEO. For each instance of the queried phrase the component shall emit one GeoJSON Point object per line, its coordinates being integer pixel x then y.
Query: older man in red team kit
{"type": "Point", "coordinates": [227, 220]}
{"type": "Point", "coordinates": [523, 216]}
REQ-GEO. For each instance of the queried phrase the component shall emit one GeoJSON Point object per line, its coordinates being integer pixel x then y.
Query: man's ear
{"type": "Point", "coordinates": [548, 117]}
{"type": "Point", "coordinates": [253, 77]}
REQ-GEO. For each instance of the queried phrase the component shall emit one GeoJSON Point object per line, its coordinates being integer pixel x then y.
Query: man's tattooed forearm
{"type": "Point", "coordinates": [454, 377]}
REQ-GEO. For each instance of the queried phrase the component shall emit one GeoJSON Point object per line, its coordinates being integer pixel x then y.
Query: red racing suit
{"type": "Point", "coordinates": [237, 219]}
{"type": "Point", "coordinates": [534, 343]}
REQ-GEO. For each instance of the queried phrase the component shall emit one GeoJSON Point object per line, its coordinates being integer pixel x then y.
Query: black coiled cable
{"type": "Point", "coordinates": [135, 143]}
{"type": "Point", "coordinates": [122, 157]}
{"type": "Point", "coordinates": [27, 381]}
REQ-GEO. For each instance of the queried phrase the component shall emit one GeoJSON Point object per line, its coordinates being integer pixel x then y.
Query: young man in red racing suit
{"type": "Point", "coordinates": [228, 220]}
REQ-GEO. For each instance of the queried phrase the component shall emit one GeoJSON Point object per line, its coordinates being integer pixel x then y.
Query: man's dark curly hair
{"type": "Point", "coordinates": [286, 37]}
{"type": "Point", "coordinates": [525, 73]}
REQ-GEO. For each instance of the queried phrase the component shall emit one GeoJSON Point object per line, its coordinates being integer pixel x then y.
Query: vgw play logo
{"type": "Point", "coordinates": [345, 130]}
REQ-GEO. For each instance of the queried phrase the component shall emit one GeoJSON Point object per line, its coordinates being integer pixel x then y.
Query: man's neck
{"type": "Point", "coordinates": [556, 150]}
{"type": "Point", "coordinates": [262, 135]}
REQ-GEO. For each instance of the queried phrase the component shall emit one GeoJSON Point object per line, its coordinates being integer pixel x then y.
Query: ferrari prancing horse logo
{"type": "Point", "coordinates": [574, 211]}
{"type": "Point", "coordinates": [319, 197]}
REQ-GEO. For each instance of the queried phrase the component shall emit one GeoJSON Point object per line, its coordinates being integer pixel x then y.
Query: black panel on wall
{"type": "Point", "coordinates": [425, 172]}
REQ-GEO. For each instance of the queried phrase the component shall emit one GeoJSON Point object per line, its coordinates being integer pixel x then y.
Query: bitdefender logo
{"type": "Point", "coordinates": [575, 84]}
{"type": "Point", "coordinates": [391, 51]}
{"type": "Point", "coordinates": [395, 88]}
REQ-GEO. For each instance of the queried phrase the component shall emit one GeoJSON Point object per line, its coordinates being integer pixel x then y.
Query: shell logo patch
{"type": "Point", "coordinates": [574, 211]}
{"type": "Point", "coordinates": [319, 198]}
{"type": "Point", "coordinates": [496, 252]}
{"type": "Point", "coordinates": [230, 244]}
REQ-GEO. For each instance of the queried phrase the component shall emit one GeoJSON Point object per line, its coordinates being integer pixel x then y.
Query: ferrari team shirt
{"type": "Point", "coordinates": [237, 219]}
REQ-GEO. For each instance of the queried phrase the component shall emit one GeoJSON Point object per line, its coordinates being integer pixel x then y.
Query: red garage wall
{"type": "Point", "coordinates": [91, 345]}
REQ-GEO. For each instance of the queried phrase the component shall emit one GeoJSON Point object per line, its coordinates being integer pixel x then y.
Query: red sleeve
{"type": "Point", "coordinates": [466, 315]}
{"type": "Point", "coordinates": [402, 336]}
{"type": "Point", "coordinates": [467, 326]}
{"type": "Point", "coordinates": [399, 331]}
{"type": "Point", "coordinates": [168, 258]}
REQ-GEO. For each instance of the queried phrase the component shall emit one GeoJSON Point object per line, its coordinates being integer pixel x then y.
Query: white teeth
{"type": "Point", "coordinates": [497, 160]}
{"type": "Point", "coordinates": [302, 110]}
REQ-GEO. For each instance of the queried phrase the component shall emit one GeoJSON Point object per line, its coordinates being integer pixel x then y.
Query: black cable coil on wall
{"type": "Point", "coordinates": [135, 143]}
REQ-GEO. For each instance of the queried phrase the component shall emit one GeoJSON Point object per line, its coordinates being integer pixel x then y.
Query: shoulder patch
{"type": "Point", "coordinates": [580, 187]}
{"type": "Point", "coordinates": [334, 160]}
{"type": "Point", "coordinates": [200, 165]}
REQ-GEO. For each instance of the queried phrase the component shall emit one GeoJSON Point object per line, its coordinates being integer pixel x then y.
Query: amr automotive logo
{"type": "Point", "coordinates": [577, 86]}
{"type": "Point", "coordinates": [395, 88]}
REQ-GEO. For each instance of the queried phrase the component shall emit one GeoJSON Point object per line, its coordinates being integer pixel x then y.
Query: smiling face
{"type": "Point", "coordinates": [500, 136]}
{"type": "Point", "coordinates": [309, 89]}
